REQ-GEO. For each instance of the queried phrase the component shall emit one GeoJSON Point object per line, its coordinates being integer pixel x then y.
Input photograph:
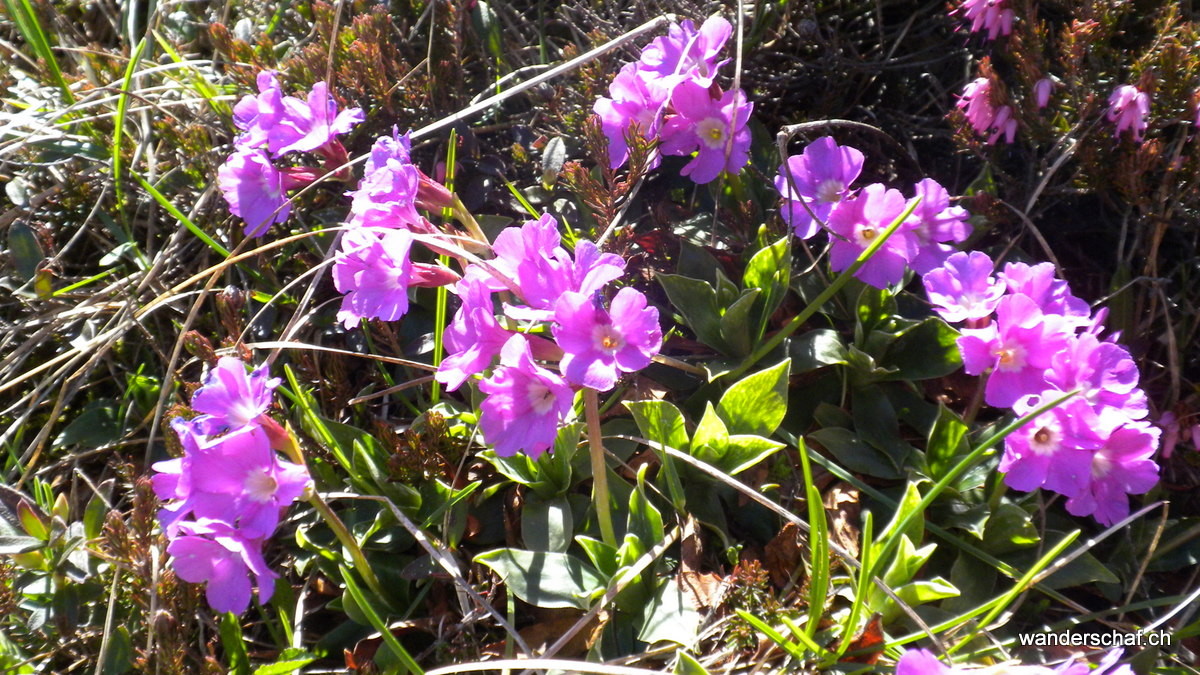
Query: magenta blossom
{"type": "Point", "coordinates": [858, 221]}
{"type": "Point", "coordinates": [1054, 450]}
{"type": "Point", "coordinates": [598, 345]}
{"type": "Point", "coordinates": [935, 222]}
{"type": "Point", "coordinates": [1129, 108]}
{"type": "Point", "coordinates": [992, 16]}
{"type": "Point", "coordinates": [388, 192]}
{"type": "Point", "coordinates": [218, 555]}
{"type": "Point", "coordinates": [922, 662]}
{"type": "Point", "coordinates": [1122, 466]}
{"type": "Point", "coordinates": [374, 273]}
{"type": "Point", "coordinates": [1004, 124]}
{"type": "Point", "coordinates": [257, 115]}
{"type": "Point", "coordinates": [633, 102]}
{"type": "Point", "coordinates": [964, 289]}
{"type": "Point", "coordinates": [310, 125]}
{"type": "Point", "coordinates": [976, 103]}
{"type": "Point", "coordinates": [685, 54]}
{"type": "Point", "coordinates": [254, 190]}
{"type": "Point", "coordinates": [715, 128]}
{"type": "Point", "coordinates": [1018, 348]}
{"type": "Point", "coordinates": [473, 338]}
{"type": "Point", "coordinates": [1042, 90]}
{"type": "Point", "coordinates": [230, 398]}
{"type": "Point", "coordinates": [1103, 372]}
{"type": "Point", "coordinates": [525, 403]}
{"type": "Point", "coordinates": [1052, 295]}
{"type": "Point", "coordinates": [819, 177]}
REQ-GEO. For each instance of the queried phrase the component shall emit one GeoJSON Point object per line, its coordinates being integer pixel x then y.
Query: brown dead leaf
{"type": "Point", "coordinates": [867, 647]}
{"type": "Point", "coordinates": [703, 589]}
{"type": "Point", "coordinates": [842, 503]}
{"type": "Point", "coordinates": [784, 554]}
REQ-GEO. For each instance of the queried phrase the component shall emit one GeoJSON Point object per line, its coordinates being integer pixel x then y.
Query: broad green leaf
{"type": "Point", "coordinates": [554, 155]}
{"type": "Point", "coordinates": [875, 306]}
{"type": "Point", "coordinates": [547, 524]}
{"type": "Point", "coordinates": [710, 431]}
{"type": "Point", "coordinates": [644, 520]}
{"type": "Point", "coordinates": [686, 664]}
{"type": "Point", "coordinates": [24, 250]}
{"type": "Point", "coordinates": [659, 421]}
{"type": "Point", "coordinates": [234, 645]}
{"type": "Point", "coordinates": [757, 403]}
{"type": "Point", "coordinates": [95, 426]}
{"type": "Point", "coordinates": [855, 455]}
{"type": "Point", "coordinates": [927, 351]}
{"type": "Point", "coordinates": [696, 300]}
{"type": "Point", "coordinates": [118, 657]}
{"type": "Point", "coordinates": [551, 580]}
{"type": "Point", "coordinates": [736, 325]}
{"type": "Point", "coordinates": [947, 442]}
{"type": "Point", "coordinates": [743, 451]}
{"type": "Point", "coordinates": [876, 423]}
{"type": "Point", "coordinates": [603, 556]}
{"type": "Point", "coordinates": [13, 544]}
{"type": "Point", "coordinates": [285, 665]}
{"type": "Point", "coordinates": [916, 526]}
{"type": "Point", "coordinates": [817, 348]}
{"type": "Point", "coordinates": [1010, 527]}
{"type": "Point", "coordinates": [769, 270]}
{"type": "Point", "coordinates": [670, 617]}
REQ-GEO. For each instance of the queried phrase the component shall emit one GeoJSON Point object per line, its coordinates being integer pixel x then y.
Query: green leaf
{"type": "Point", "coordinates": [757, 403]}
{"type": "Point", "coordinates": [554, 155]}
{"type": "Point", "coordinates": [602, 555]}
{"type": "Point", "coordinates": [875, 306]}
{"type": "Point", "coordinates": [670, 617]}
{"type": "Point", "coordinates": [118, 656]}
{"type": "Point", "coordinates": [645, 521]}
{"type": "Point", "coordinates": [696, 300]}
{"type": "Point", "coordinates": [234, 645]}
{"type": "Point", "coordinates": [659, 421]}
{"type": "Point", "coordinates": [686, 664]}
{"type": "Point", "coordinates": [916, 527]}
{"type": "Point", "coordinates": [1008, 528]}
{"type": "Point", "coordinates": [854, 454]}
{"type": "Point", "coordinates": [551, 580]}
{"type": "Point", "coordinates": [547, 524]}
{"type": "Point", "coordinates": [927, 351]}
{"type": "Point", "coordinates": [736, 324]}
{"type": "Point", "coordinates": [817, 348]}
{"type": "Point", "coordinates": [282, 667]}
{"type": "Point", "coordinates": [95, 426]}
{"type": "Point", "coordinates": [947, 442]}
{"type": "Point", "coordinates": [876, 423]}
{"type": "Point", "coordinates": [710, 431]}
{"type": "Point", "coordinates": [24, 250]}
{"type": "Point", "coordinates": [743, 451]}
{"type": "Point", "coordinates": [769, 270]}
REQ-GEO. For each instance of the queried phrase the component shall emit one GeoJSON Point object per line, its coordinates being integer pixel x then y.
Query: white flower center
{"type": "Point", "coordinates": [712, 132]}
{"type": "Point", "coordinates": [1010, 358]}
{"type": "Point", "coordinates": [607, 339]}
{"type": "Point", "coordinates": [540, 397]}
{"type": "Point", "coordinates": [1102, 464]}
{"type": "Point", "coordinates": [866, 234]}
{"type": "Point", "coordinates": [830, 190]}
{"type": "Point", "coordinates": [260, 485]}
{"type": "Point", "coordinates": [242, 412]}
{"type": "Point", "coordinates": [1045, 441]}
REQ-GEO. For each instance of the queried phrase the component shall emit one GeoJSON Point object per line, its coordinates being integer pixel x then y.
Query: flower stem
{"type": "Point", "coordinates": [591, 407]}
{"type": "Point", "coordinates": [292, 449]}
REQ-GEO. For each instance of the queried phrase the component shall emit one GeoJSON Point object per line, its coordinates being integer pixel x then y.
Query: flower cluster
{"type": "Point", "coordinates": [993, 16]}
{"type": "Point", "coordinates": [670, 94]}
{"type": "Point", "coordinates": [921, 662]}
{"type": "Point", "coordinates": [1129, 108]}
{"type": "Point", "coordinates": [272, 125]}
{"type": "Point", "coordinates": [984, 116]}
{"type": "Point", "coordinates": [224, 496]}
{"type": "Point", "coordinates": [594, 342]}
{"type": "Point", "coordinates": [815, 186]}
{"type": "Point", "coordinates": [1037, 342]}
{"type": "Point", "coordinates": [372, 267]}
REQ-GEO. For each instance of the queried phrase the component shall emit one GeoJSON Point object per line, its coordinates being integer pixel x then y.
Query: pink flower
{"type": "Point", "coordinates": [230, 398]}
{"type": "Point", "coordinates": [1041, 91]}
{"type": "Point", "coordinates": [387, 195]}
{"type": "Point", "coordinates": [374, 272]}
{"type": "Point", "coordinates": [525, 403]}
{"type": "Point", "coordinates": [218, 555]}
{"type": "Point", "coordinates": [1129, 108]}
{"type": "Point", "coordinates": [1122, 466]}
{"type": "Point", "coordinates": [254, 190]}
{"type": "Point", "coordinates": [935, 222]}
{"type": "Point", "coordinates": [685, 53]}
{"type": "Point", "coordinates": [858, 221]}
{"type": "Point", "coordinates": [964, 288]}
{"type": "Point", "coordinates": [990, 15]}
{"type": "Point", "coordinates": [820, 177]}
{"type": "Point", "coordinates": [633, 101]}
{"type": "Point", "coordinates": [1054, 450]}
{"type": "Point", "coordinates": [706, 125]}
{"type": "Point", "coordinates": [473, 338]}
{"type": "Point", "coordinates": [598, 345]}
{"type": "Point", "coordinates": [1004, 124]}
{"type": "Point", "coordinates": [1018, 348]}
{"type": "Point", "coordinates": [257, 115]}
{"type": "Point", "coordinates": [976, 103]}
{"type": "Point", "coordinates": [312, 124]}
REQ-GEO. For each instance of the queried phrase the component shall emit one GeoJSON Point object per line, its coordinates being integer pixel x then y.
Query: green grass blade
{"type": "Point", "coordinates": [378, 624]}
{"type": "Point", "coordinates": [119, 122]}
{"type": "Point", "coordinates": [178, 215]}
{"type": "Point", "coordinates": [24, 16]}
